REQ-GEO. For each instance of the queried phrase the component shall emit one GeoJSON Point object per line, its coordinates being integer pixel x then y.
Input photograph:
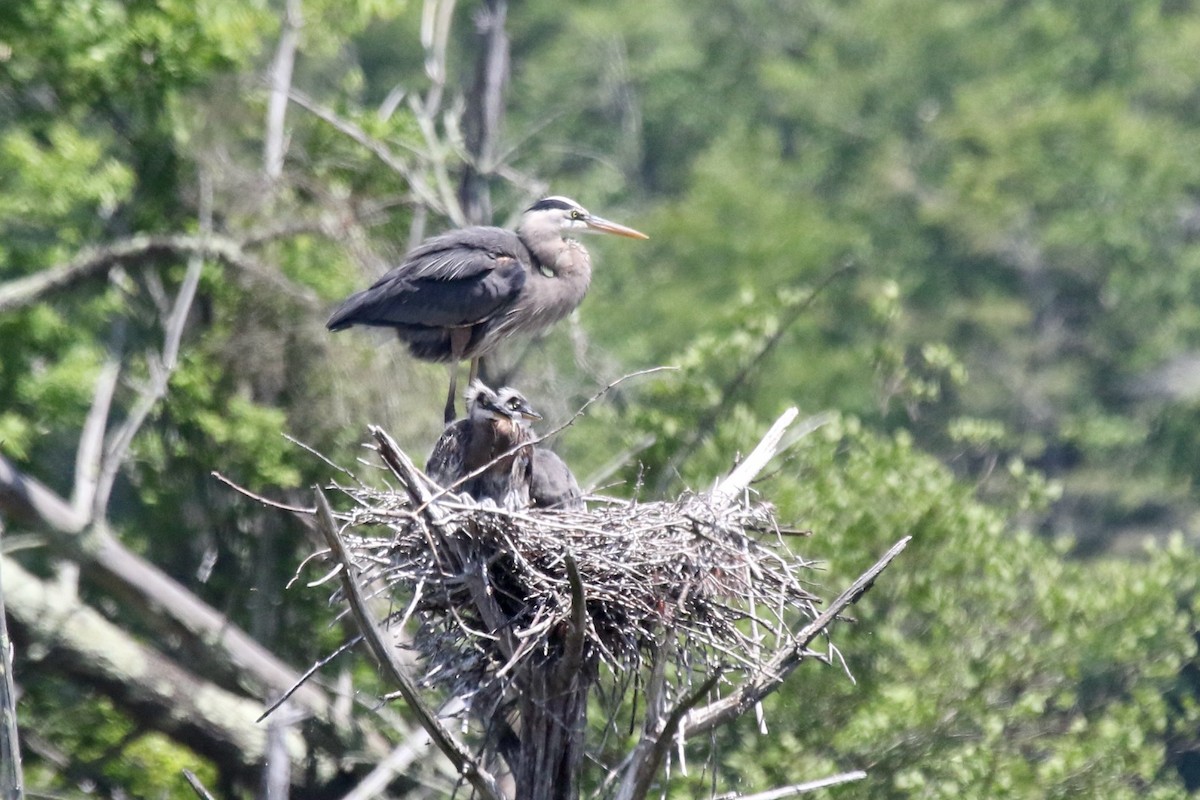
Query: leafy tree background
{"type": "Point", "coordinates": [964, 237]}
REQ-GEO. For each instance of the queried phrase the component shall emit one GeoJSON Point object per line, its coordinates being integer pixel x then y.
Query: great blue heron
{"type": "Point", "coordinates": [457, 295]}
{"type": "Point", "coordinates": [496, 423]}
{"type": "Point", "coordinates": [551, 482]}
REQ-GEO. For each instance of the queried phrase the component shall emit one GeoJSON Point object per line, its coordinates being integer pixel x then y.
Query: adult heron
{"type": "Point", "coordinates": [490, 436]}
{"type": "Point", "coordinates": [459, 294]}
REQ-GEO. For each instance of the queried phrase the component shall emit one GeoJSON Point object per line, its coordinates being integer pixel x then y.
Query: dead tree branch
{"type": "Point", "coordinates": [213, 722]}
{"type": "Point", "coordinates": [275, 136]}
{"type": "Point", "coordinates": [163, 602]}
{"type": "Point", "coordinates": [161, 367]}
{"type": "Point", "coordinates": [773, 673]}
{"type": "Point", "coordinates": [11, 782]}
{"type": "Point", "coordinates": [411, 174]}
{"type": "Point", "coordinates": [197, 786]}
{"type": "Point", "coordinates": [644, 767]}
{"type": "Point", "coordinates": [798, 788]}
{"type": "Point", "coordinates": [484, 111]}
{"type": "Point", "coordinates": [89, 455]}
{"type": "Point", "coordinates": [134, 252]}
{"type": "Point", "coordinates": [381, 647]}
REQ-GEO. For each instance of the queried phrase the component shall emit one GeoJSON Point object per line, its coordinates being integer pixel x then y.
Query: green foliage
{"type": "Point", "coordinates": [212, 424]}
{"type": "Point", "coordinates": [60, 175]}
{"type": "Point", "coordinates": [91, 730]}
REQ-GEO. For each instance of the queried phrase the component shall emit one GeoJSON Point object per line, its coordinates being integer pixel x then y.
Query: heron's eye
{"type": "Point", "coordinates": [576, 214]}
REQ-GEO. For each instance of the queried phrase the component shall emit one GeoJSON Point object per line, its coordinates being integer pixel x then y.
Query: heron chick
{"type": "Point", "coordinates": [459, 294]}
{"type": "Point", "coordinates": [488, 438]}
{"type": "Point", "coordinates": [551, 482]}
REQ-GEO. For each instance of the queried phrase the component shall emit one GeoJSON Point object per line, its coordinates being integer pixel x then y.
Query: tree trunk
{"type": "Point", "coordinates": [485, 111]}
{"type": "Point", "coordinates": [553, 710]}
{"type": "Point", "coordinates": [10, 750]}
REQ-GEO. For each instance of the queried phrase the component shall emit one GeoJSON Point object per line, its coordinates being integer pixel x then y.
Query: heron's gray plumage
{"type": "Point", "coordinates": [551, 482]}
{"type": "Point", "coordinates": [459, 294]}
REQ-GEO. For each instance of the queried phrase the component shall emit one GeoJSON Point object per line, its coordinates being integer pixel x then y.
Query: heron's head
{"type": "Point", "coordinates": [481, 401]}
{"type": "Point", "coordinates": [564, 216]}
{"type": "Point", "coordinates": [508, 403]}
{"type": "Point", "coordinates": [513, 405]}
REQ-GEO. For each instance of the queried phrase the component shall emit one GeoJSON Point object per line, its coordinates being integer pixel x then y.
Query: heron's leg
{"type": "Point", "coordinates": [449, 413]}
{"type": "Point", "coordinates": [475, 362]}
{"type": "Point", "coordinates": [459, 339]}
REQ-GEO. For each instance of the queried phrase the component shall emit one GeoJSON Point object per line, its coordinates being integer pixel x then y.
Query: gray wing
{"type": "Point", "coordinates": [456, 279]}
{"type": "Point", "coordinates": [552, 485]}
{"type": "Point", "coordinates": [445, 465]}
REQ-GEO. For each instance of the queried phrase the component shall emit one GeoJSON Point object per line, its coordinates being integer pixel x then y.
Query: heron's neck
{"type": "Point", "coordinates": [561, 256]}
{"type": "Point", "coordinates": [494, 438]}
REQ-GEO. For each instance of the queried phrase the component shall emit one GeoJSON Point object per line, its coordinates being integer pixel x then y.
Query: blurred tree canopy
{"type": "Point", "coordinates": [964, 238]}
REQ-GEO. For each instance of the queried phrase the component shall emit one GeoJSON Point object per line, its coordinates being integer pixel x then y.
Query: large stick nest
{"type": "Point", "coordinates": [708, 576]}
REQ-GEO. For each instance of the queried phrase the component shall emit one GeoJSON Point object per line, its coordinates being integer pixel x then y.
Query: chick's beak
{"type": "Point", "coordinates": [601, 225]}
{"type": "Point", "coordinates": [528, 413]}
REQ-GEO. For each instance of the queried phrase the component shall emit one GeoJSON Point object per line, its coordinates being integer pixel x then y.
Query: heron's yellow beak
{"type": "Point", "coordinates": [601, 225]}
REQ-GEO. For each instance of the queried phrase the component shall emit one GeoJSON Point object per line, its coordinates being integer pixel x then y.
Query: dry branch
{"type": "Point", "coordinates": [137, 250]}
{"type": "Point", "coordinates": [197, 786]}
{"type": "Point", "coordinates": [275, 135]}
{"type": "Point", "coordinates": [163, 602]}
{"type": "Point", "coordinates": [11, 784]}
{"type": "Point", "coordinates": [798, 788]}
{"type": "Point", "coordinates": [210, 720]}
{"type": "Point", "coordinates": [773, 673]}
{"type": "Point", "coordinates": [445, 740]}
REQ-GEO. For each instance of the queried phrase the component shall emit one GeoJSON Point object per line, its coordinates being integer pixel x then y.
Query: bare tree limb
{"type": "Point", "coordinates": [646, 768]}
{"type": "Point", "coordinates": [210, 720]}
{"type": "Point", "coordinates": [774, 672]}
{"type": "Point", "coordinates": [485, 111]}
{"type": "Point", "coordinates": [798, 788]}
{"type": "Point", "coordinates": [442, 737]}
{"type": "Point", "coordinates": [275, 137]}
{"type": "Point", "coordinates": [161, 367]}
{"type": "Point", "coordinates": [308, 673]}
{"type": "Point", "coordinates": [11, 782]}
{"type": "Point", "coordinates": [739, 480]}
{"type": "Point", "coordinates": [417, 184]}
{"type": "Point", "coordinates": [89, 455]}
{"type": "Point", "coordinates": [156, 596]}
{"type": "Point", "coordinates": [375, 784]}
{"type": "Point", "coordinates": [137, 250]}
{"type": "Point", "coordinates": [197, 786]}
{"type": "Point", "coordinates": [436, 16]}
{"type": "Point", "coordinates": [277, 771]}
{"type": "Point", "coordinates": [32, 502]}
{"type": "Point", "coordinates": [572, 658]}
{"type": "Point", "coordinates": [652, 720]}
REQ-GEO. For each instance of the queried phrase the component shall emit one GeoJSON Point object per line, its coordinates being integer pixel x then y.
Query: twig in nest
{"type": "Point", "coordinates": [196, 785]}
